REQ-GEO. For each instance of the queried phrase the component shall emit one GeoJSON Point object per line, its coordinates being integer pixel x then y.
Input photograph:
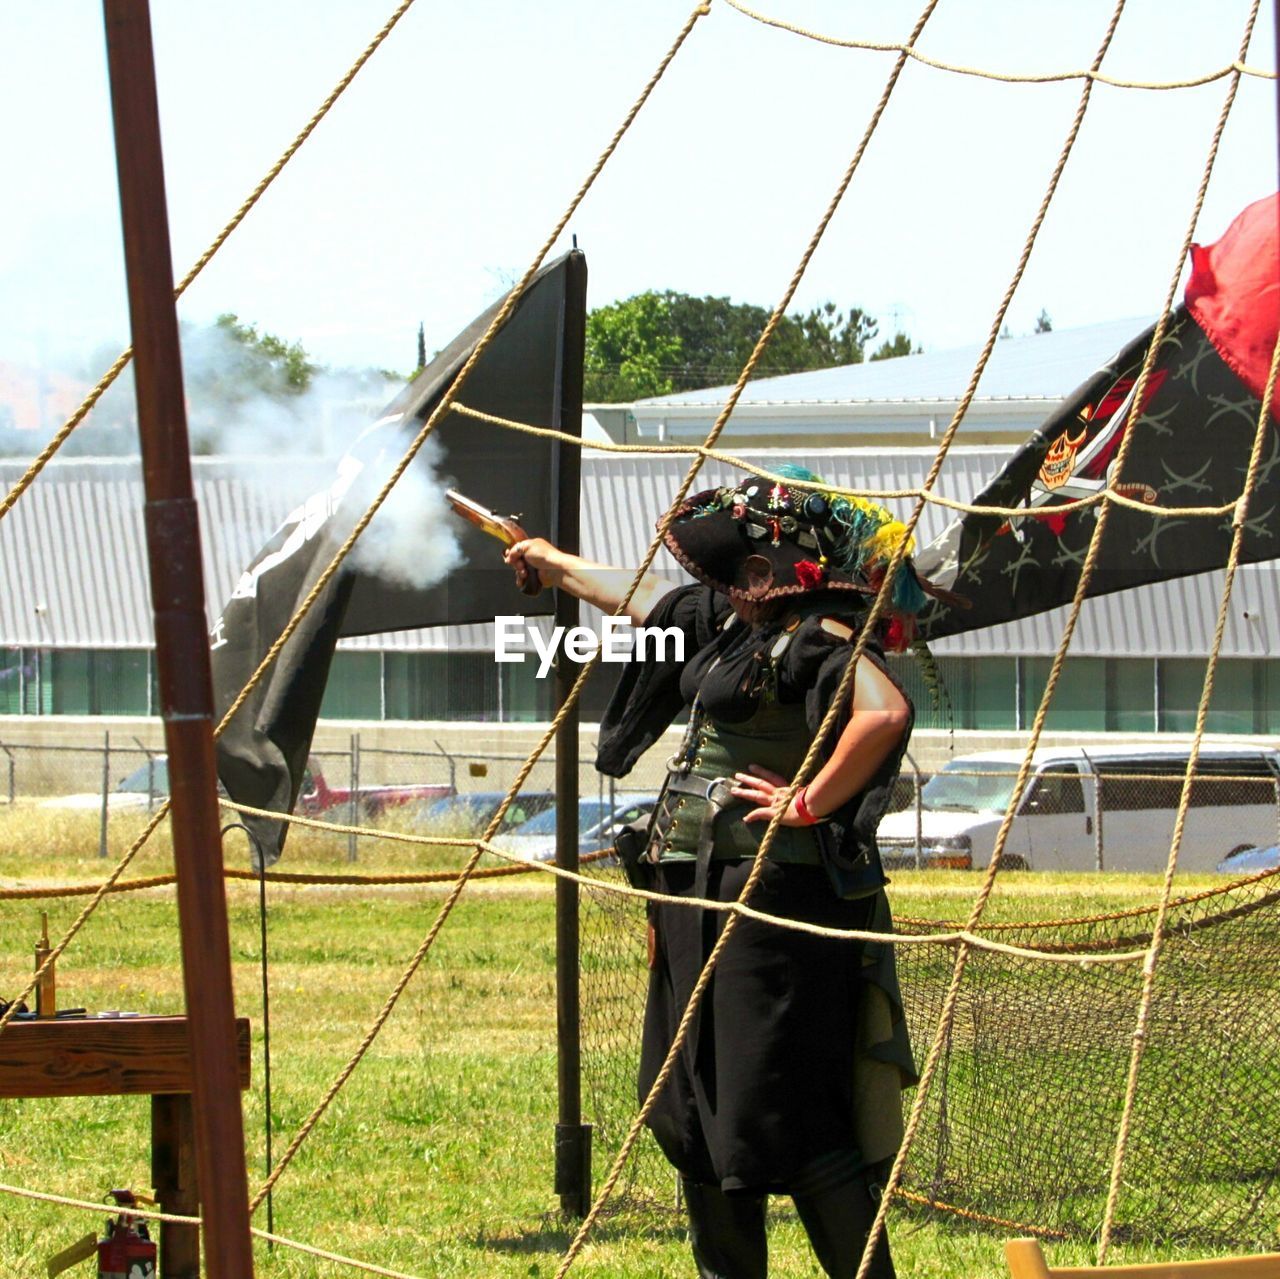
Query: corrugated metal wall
{"type": "Point", "coordinates": [73, 566]}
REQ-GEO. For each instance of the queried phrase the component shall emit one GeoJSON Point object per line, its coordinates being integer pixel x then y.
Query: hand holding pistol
{"type": "Point", "coordinates": [505, 528]}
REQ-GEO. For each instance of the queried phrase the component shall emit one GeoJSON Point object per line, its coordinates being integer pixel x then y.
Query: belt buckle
{"type": "Point", "coordinates": [712, 784]}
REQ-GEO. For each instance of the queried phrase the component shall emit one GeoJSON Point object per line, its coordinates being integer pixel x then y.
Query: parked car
{"type": "Point", "coordinates": [1104, 807]}
{"type": "Point", "coordinates": [470, 812]}
{"type": "Point", "coordinates": [598, 819]}
{"type": "Point", "coordinates": [1249, 861]}
{"type": "Point", "coordinates": [148, 785]}
{"type": "Point", "coordinates": [317, 796]}
{"type": "Point", "coordinates": [145, 787]}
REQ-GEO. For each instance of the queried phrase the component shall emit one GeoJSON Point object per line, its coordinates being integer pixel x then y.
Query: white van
{"type": "Point", "coordinates": [1090, 808]}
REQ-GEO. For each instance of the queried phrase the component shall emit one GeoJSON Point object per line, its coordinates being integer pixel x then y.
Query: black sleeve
{"type": "Point", "coordinates": [811, 668]}
{"type": "Point", "coordinates": [647, 697]}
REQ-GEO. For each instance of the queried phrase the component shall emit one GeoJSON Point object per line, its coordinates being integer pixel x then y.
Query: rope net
{"type": "Point", "coordinates": [1022, 1115]}
{"type": "Point", "coordinates": [1027, 1114]}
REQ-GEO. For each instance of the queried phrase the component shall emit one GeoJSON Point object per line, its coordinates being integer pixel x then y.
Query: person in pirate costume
{"type": "Point", "coordinates": [790, 1078]}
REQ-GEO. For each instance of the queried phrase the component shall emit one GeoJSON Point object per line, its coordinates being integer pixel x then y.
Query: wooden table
{"type": "Point", "coordinates": [108, 1056]}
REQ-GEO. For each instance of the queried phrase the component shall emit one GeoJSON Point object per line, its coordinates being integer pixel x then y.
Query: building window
{"type": "Point", "coordinates": [1130, 695]}
{"type": "Point", "coordinates": [16, 670]}
{"type": "Point", "coordinates": [85, 681]}
{"type": "Point", "coordinates": [1079, 699]}
{"type": "Point", "coordinates": [354, 690]}
{"type": "Point", "coordinates": [971, 692]}
{"type": "Point", "coordinates": [1243, 696]}
{"type": "Point", "coordinates": [445, 686]}
{"type": "Point", "coordinates": [120, 681]}
{"type": "Point", "coordinates": [464, 686]}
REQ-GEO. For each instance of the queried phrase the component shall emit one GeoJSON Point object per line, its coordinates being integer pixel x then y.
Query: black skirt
{"type": "Point", "coordinates": [762, 1097]}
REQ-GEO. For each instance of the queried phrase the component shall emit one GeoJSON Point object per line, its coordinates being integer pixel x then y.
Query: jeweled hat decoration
{"type": "Point", "coordinates": [763, 540]}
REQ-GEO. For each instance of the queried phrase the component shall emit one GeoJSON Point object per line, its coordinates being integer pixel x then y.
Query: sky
{"type": "Point", "coordinates": [432, 183]}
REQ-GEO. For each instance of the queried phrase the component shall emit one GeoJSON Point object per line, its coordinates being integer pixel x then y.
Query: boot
{"type": "Point", "coordinates": [837, 1222]}
{"type": "Point", "coordinates": [727, 1232]}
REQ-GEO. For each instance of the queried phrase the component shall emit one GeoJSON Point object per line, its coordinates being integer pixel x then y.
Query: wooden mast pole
{"type": "Point", "coordinates": [182, 643]}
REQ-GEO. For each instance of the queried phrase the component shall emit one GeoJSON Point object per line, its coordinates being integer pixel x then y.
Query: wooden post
{"type": "Point", "coordinates": [173, 1175]}
{"type": "Point", "coordinates": [106, 791]}
{"type": "Point", "coordinates": [182, 644]}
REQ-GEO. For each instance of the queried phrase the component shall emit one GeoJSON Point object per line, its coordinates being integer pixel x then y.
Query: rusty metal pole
{"type": "Point", "coordinates": [182, 643]}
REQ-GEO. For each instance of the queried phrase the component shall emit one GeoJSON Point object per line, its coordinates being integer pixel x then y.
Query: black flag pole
{"type": "Point", "coordinates": [572, 1136]}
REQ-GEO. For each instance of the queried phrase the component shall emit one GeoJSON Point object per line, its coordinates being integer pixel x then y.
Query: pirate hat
{"type": "Point", "coordinates": [763, 540]}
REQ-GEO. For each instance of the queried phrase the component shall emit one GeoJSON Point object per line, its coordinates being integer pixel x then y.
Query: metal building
{"type": "Point", "coordinates": [75, 629]}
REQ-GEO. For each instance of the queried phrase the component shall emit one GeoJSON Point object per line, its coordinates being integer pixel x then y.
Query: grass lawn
{"type": "Point", "coordinates": [436, 1157]}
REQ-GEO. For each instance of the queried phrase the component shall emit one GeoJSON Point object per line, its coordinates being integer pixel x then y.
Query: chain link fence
{"type": "Point", "coordinates": [1088, 809]}
{"type": "Point", "coordinates": [97, 795]}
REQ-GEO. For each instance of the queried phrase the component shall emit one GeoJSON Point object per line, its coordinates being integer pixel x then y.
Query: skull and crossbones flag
{"type": "Point", "coordinates": [1193, 432]}
{"type": "Point", "coordinates": [416, 577]}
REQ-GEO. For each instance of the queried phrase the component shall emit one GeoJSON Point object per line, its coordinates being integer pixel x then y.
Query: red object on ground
{"type": "Point", "coordinates": [126, 1254]}
{"type": "Point", "coordinates": [1234, 294]}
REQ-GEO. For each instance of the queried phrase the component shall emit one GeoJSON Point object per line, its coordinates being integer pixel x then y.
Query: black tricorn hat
{"type": "Point", "coordinates": [762, 541]}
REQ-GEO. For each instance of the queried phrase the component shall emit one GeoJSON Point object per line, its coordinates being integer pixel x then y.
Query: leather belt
{"type": "Point", "coordinates": [717, 794]}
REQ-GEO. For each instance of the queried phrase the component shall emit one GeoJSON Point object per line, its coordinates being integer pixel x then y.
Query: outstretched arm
{"type": "Point", "coordinates": [875, 727]}
{"type": "Point", "coordinates": [598, 584]}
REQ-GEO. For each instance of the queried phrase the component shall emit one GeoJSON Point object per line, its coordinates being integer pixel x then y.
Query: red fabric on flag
{"type": "Point", "coordinates": [1234, 294]}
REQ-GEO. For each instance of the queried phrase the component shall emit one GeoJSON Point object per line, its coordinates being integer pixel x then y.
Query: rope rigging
{"type": "Point", "coordinates": [972, 935]}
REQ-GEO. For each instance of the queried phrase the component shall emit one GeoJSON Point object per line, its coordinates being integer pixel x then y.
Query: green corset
{"type": "Point", "coordinates": [776, 737]}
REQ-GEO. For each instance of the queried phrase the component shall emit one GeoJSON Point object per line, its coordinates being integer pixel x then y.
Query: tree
{"type": "Point", "coordinates": [246, 390]}
{"type": "Point", "coordinates": [269, 363]}
{"type": "Point", "coordinates": [1044, 322]}
{"type": "Point", "coordinates": [831, 338]}
{"type": "Point", "coordinates": [422, 347]}
{"type": "Point", "coordinates": [899, 345]}
{"type": "Point", "coordinates": [670, 341]}
{"type": "Point", "coordinates": [630, 350]}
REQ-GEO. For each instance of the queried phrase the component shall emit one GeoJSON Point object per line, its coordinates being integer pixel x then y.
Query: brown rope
{"type": "Point", "coordinates": [726, 933]}
{"type": "Point", "coordinates": [122, 360]}
{"type": "Point", "coordinates": [939, 931]}
{"type": "Point", "coordinates": [950, 1000]}
{"type": "Point", "coordinates": [920, 494]}
{"type": "Point", "coordinates": [983, 1218]}
{"type": "Point", "coordinates": [1076, 920]}
{"type": "Point", "coordinates": [39, 893]}
{"type": "Point", "coordinates": [1184, 804]}
{"type": "Point", "coordinates": [440, 412]}
{"type": "Point", "coordinates": [1097, 948]}
{"type": "Point", "coordinates": [1050, 77]}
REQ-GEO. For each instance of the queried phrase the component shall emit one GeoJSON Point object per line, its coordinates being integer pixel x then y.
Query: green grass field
{"type": "Point", "coordinates": [436, 1157]}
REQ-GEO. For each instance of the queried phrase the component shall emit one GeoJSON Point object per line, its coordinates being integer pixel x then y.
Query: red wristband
{"type": "Point", "coordinates": [802, 809]}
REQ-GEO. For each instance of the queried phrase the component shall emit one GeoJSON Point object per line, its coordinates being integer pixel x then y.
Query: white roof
{"type": "Point", "coordinates": [1043, 366]}
{"type": "Point", "coordinates": [1219, 749]}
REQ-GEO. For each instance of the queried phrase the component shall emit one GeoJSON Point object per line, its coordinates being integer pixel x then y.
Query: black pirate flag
{"type": "Point", "coordinates": [1193, 430]}
{"type": "Point", "coordinates": [530, 372]}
